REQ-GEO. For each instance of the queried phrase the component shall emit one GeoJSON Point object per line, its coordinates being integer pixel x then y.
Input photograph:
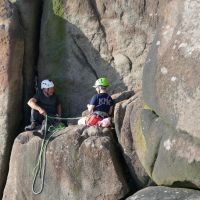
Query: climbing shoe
{"type": "Point", "coordinates": [42, 129]}
{"type": "Point", "coordinates": [30, 127]}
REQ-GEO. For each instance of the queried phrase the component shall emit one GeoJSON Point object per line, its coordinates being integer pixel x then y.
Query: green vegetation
{"type": "Point", "coordinates": [58, 7]}
{"type": "Point", "coordinates": [140, 141]}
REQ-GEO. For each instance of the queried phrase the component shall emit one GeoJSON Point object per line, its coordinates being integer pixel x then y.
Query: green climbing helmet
{"type": "Point", "coordinates": [102, 82]}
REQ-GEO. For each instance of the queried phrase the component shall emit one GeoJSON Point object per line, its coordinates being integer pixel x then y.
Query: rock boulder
{"type": "Point", "coordinates": [80, 164]}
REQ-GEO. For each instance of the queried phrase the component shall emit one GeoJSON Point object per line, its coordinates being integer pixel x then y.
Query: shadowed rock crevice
{"type": "Point", "coordinates": [87, 63]}
{"type": "Point", "coordinates": [129, 60]}
{"type": "Point", "coordinates": [97, 14]}
{"type": "Point", "coordinates": [184, 184]}
{"type": "Point", "coordinates": [142, 8]}
{"type": "Point", "coordinates": [30, 18]}
{"type": "Point", "coordinates": [155, 157]}
{"type": "Point", "coordinates": [128, 140]}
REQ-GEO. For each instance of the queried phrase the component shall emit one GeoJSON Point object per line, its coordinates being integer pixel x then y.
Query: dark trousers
{"type": "Point", "coordinates": [36, 116]}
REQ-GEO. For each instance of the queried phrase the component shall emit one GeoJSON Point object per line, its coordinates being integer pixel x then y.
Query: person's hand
{"type": "Point", "coordinates": [105, 123]}
{"type": "Point", "coordinates": [42, 111]}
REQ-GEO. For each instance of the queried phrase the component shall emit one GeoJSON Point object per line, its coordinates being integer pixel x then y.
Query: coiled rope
{"type": "Point", "coordinates": [39, 169]}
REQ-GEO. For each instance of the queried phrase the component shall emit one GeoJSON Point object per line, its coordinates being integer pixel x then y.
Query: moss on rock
{"type": "Point", "coordinates": [58, 7]}
{"type": "Point", "coordinates": [140, 142]}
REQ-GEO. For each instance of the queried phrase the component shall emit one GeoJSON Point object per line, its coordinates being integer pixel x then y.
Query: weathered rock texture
{"type": "Point", "coordinates": [11, 60]}
{"type": "Point", "coordinates": [30, 14]}
{"type": "Point", "coordinates": [171, 75]}
{"type": "Point", "coordinates": [80, 164]}
{"type": "Point", "coordinates": [125, 118]}
{"type": "Point", "coordinates": [165, 193]}
{"type": "Point", "coordinates": [169, 157]}
{"type": "Point", "coordinates": [168, 135]}
{"type": "Point", "coordinates": [83, 39]}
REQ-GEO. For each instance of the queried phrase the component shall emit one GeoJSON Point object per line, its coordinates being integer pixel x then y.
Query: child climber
{"type": "Point", "coordinates": [100, 106]}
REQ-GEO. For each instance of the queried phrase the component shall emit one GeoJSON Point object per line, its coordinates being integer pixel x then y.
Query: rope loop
{"type": "Point", "coordinates": [39, 169]}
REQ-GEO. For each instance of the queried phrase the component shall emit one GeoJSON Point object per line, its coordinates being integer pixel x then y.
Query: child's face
{"type": "Point", "coordinates": [97, 89]}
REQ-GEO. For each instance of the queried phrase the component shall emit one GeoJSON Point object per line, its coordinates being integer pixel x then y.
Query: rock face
{"type": "Point", "coordinates": [30, 13]}
{"type": "Point", "coordinates": [168, 131]}
{"type": "Point", "coordinates": [80, 164]}
{"type": "Point", "coordinates": [83, 40]}
{"type": "Point", "coordinates": [171, 74]}
{"type": "Point", "coordinates": [11, 60]}
{"type": "Point", "coordinates": [165, 193]}
{"type": "Point", "coordinates": [169, 157]}
{"type": "Point", "coordinates": [125, 118]}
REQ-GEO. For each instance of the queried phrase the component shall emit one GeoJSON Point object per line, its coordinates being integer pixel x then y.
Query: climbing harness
{"type": "Point", "coordinates": [93, 120]}
{"type": "Point", "coordinates": [40, 166]}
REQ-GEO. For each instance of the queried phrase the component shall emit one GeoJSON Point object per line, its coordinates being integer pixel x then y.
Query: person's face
{"type": "Point", "coordinates": [97, 89]}
{"type": "Point", "coordinates": [50, 91]}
